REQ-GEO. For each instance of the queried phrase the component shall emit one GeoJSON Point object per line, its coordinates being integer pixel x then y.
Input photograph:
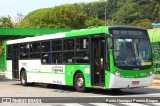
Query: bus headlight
{"type": "Point", "coordinates": [150, 73]}
{"type": "Point", "coordinates": [118, 74]}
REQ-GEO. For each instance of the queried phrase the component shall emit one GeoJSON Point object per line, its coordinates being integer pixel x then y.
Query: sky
{"type": "Point", "coordinates": [12, 7]}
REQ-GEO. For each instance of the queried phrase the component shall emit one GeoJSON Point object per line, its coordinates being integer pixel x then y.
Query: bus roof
{"type": "Point", "coordinates": [36, 38]}
{"type": "Point", "coordinates": [98, 30]}
{"type": "Point", "coordinates": [24, 32]}
{"type": "Point", "coordinates": [89, 31]}
{"type": "Point", "coordinates": [81, 32]}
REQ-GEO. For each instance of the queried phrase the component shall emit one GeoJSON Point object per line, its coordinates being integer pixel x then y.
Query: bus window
{"type": "Point", "coordinates": [45, 46]}
{"type": "Point", "coordinates": [57, 58]}
{"type": "Point", "coordinates": [68, 54]}
{"type": "Point", "coordinates": [82, 43]}
{"type": "Point", "coordinates": [24, 51]}
{"type": "Point", "coordinates": [46, 49]}
{"type": "Point", "coordinates": [57, 51]}
{"type": "Point", "coordinates": [9, 52]}
{"type": "Point", "coordinates": [35, 50]}
{"type": "Point", "coordinates": [68, 57]}
{"type": "Point", "coordinates": [82, 57]}
{"type": "Point", "coordinates": [57, 45]}
{"type": "Point", "coordinates": [68, 44]}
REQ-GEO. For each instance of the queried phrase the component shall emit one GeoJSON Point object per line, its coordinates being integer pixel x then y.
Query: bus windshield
{"type": "Point", "coordinates": [132, 52]}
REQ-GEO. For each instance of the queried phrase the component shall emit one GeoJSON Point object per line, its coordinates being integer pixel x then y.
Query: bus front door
{"type": "Point", "coordinates": [15, 54]}
{"type": "Point", "coordinates": [97, 62]}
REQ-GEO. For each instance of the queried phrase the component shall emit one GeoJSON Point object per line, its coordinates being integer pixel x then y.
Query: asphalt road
{"type": "Point", "coordinates": [10, 88]}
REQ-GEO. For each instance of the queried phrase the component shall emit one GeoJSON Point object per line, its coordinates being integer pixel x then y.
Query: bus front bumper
{"type": "Point", "coordinates": [119, 82]}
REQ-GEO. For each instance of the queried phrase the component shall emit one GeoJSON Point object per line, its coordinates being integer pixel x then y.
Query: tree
{"type": "Point", "coordinates": [156, 13]}
{"type": "Point", "coordinates": [144, 23]}
{"type": "Point", "coordinates": [6, 22]}
{"type": "Point", "coordinates": [127, 14]}
{"type": "Point", "coordinates": [94, 22]}
{"type": "Point", "coordinates": [65, 16]}
{"type": "Point", "coordinates": [156, 1]}
{"type": "Point", "coordinates": [2, 45]}
{"type": "Point", "coordinates": [82, 15]}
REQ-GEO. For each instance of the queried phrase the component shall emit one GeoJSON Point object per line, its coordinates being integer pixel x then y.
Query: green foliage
{"type": "Point", "coordinates": [127, 14]}
{"type": "Point", "coordinates": [156, 1]}
{"type": "Point", "coordinates": [139, 13]}
{"type": "Point", "coordinates": [144, 23]}
{"type": "Point", "coordinates": [6, 22]}
{"type": "Point", "coordinates": [156, 13]}
{"type": "Point", "coordinates": [2, 45]}
{"type": "Point", "coordinates": [94, 22]}
{"type": "Point", "coordinates": [66, 16]}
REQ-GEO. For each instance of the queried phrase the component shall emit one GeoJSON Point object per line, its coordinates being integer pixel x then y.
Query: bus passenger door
{"type": "Point", "coordinates": [15, 62]}
{"type": "Point", "coordinates": [97, 62]}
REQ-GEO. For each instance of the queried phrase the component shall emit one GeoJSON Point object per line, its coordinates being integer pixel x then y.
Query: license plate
{"type": "Point", "coordinates": [135, 82]}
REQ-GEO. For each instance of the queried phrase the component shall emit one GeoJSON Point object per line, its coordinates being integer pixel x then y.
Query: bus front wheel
{"type": "Point", "coordinates": [79, 82]}
{"type": "Point", "coordinates": [23, 78]}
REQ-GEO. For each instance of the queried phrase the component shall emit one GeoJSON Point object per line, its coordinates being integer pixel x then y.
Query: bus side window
{"type": "Point", "coordinates": [82, 55]}
{"type": "Point", "coordinates": [9, 52]}
{"type": "Point", "coordinates": [68, 44]}
{"type": "Point", "coordinates": [68, 57]}
{"type": "Point", "coordinates": [46, 52]}
{"type": "Point", "coordinates": [57, 51]}
{"type": "Point", "coordinates": [82, 43]}
{"type": "Point", "coordinates": [56, 58]}
{"type": "Point", "coordinates": [24, 51]}
{"type": "Point", "coordinates": [68, 54]}
{"type": "Point", "coordinates": [35, 50]}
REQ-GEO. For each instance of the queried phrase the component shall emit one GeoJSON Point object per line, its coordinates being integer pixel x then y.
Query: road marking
{"type": "Point", "coordinates": [73, 104]}
{"type": "Point", "coordinates": [100, 104]}
{"type": "Point", "coordinates": [123, 104]}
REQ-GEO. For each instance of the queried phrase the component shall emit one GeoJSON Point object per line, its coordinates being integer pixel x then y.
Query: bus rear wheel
{"type": "Point", "coordinates": [79, 82]}
{"type": "Point", "coordinates": [24, 78]}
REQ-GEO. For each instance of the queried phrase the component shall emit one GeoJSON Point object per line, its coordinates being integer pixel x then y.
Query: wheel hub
{"type": "Point", "coordinates": [80, 82]}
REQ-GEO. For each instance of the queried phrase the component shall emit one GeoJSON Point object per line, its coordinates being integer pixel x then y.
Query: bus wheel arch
{"type": "Point", "coordinates": [23, 77]}
{"type": "Point", "coordinates": [79, 81]}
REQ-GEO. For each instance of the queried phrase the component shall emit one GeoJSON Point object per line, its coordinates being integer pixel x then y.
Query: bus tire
{"type": "Point", "coordinates": [79, 82]}
{"type": "Point", "coordinates": [24, 78]}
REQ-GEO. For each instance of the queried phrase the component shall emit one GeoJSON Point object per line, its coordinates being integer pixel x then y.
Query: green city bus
{"type": "Point", "coordinates": [107, 57]}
